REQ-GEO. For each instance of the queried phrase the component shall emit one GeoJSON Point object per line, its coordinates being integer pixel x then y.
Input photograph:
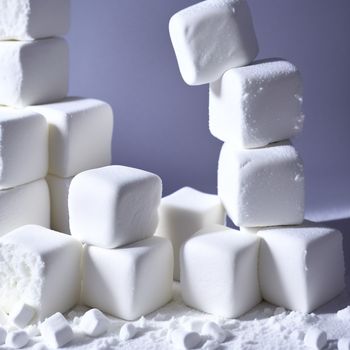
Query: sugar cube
{"type": "Point", "coordinates": [128, 282]}
{"type": "Point", "coordinates": [185, 340]}
{"type": "Point", "coordinates": [75, 126]}
{"type": "Point", "coordinates": [183, 213]}
{"type": "Point", "coordinates": [17, 339]}
{"type": "Point", "coordinates": [211, 37]}
{"type": "Point", "coordinates": [41, 268]}
{"type": "Point", "coordinates": [94, 323]}
{"type": "Point", "coordinates": [315, 338]}
{"type": "Point", "coordinates": [113, 206]}
{"type": "Point", "coordinates": [262, 186]}
{"type": "Point", "coordinates": [21, 314]}
{"type": "Point", "coordinates": [33, 72]}
{"type": "Point", "coordinates": [127, 331]}
{"type": "Point", "coordinates": [219, 272]}
{"type": "Point", "coordinates": [256, 105]}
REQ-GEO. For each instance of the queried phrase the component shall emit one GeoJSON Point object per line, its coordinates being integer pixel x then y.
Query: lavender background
{"type": "Point", "coordinates": [121, 53]}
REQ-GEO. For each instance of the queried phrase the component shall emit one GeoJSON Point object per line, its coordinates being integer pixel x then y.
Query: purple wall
{"type": "Point", "coordinates": [121, 53]}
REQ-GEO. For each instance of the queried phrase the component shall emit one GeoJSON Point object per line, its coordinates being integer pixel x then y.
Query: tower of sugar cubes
{"type": "Point", "coordinates": [255, 108]}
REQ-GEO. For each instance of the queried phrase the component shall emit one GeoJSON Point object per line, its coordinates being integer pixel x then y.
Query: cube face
{"type": "Point", "coordinates": [33, 72]}
{"type": "Point", "coordinates": [76, 125]}
{"type": "Point", "coordinates": [17, 209]}
{"type": "Point", "coordinates": [219, 272]}
{"type": "Point", "coordinates": [50, 281]}
{"type": "Point", "coordinates": [262, 187]}
{"type": "Point", "coordinates": [256, 105]}
{"type": "Point", "coordinates": [113, 206]}
{"type": "Point", "coordinates": [59, 189]}
{"type": "Point", "coordinates": [128, 282]}
{"type": "Point", "coordinates": [23, 147]}
{"type": "Point", "coordinates": [33, 19]}
{"type": "Point", "coordinates": [185, 212]}
{"type": "Point", "coordinates": [301, 267]}
{"type": "Point", "coordinates": [204, 50]}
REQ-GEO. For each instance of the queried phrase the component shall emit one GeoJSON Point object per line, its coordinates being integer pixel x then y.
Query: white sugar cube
{"type": "Point", "coordinates": [21, 314]}
{"type": "Point", "coordinates": [23, 147]}
{"type": "Point", "coordinates": [56, 331]}
{"type": "Point", "coordinates": [59, 189]}
{"type": "Point", "coordinates": [263, 186]}
{"type": "Point", "coordinates": [185, 340]}
{"type": "Point", "coordinates": [113, 206]}
{"type": "Point", "coordinates": [94, 323]}
{"type": "Point", "coordinates": [211, 37]}
{"type": "Point", "coordinates": [301, 267]}
{"type": "Point", "coordinates": [315, 338]}
{"type": "Point", "coordinates": [185, 212]}
{"type": "Point", "coordinates": [17, 339]}
{"type": "Point", "coordinates": [41, 268]}
{"type": "Point", "coordinates": [127, 332]}
{"type": "Point", "coordinates": [23, 205]}
{"type": "Point", "coordinates": [219, 272]}
{"type": "Point", "coordinates": [131, 281]}
{"type": "Point", "coordinates": [80, 134]}
{"type": "Point", "coordinates": [33, 19]}
{"type": "Point", "coordinates": [33, 72]}
{"type": "Point", "coordinates": [256, 105]}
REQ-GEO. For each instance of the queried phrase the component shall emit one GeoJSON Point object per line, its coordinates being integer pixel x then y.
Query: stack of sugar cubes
{"type": "Point", "coordinates": [111, 260]}
{"type": "Point", "coordinates": [254, 108]}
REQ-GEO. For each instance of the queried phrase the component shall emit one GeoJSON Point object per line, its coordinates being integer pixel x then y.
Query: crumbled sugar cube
{"type": "Point", "coordinates": [33, 72]}
{"type": "Point", "coordinates": [94, 323]}
{"type": "Point", "coordinates": [41, 268]}
{"type": "Point", "coordinates": [262, 186]}
{"type": "Point", "coordinates": [312, 254]}
{"type": "Point", "coordinates": [220, 262]}
{"type": "Point", "coordinates": [118, 202]}
{"type": "Point", "coordinates": [183, 213]}
{"type": "Point", "coordinates": [33, 19]}
{"type": "Point", "coordinates": [75, 125]}
{"type": "Point", "coordinates": [56, 331]}
{"type": "Point", "coordinates": [256, 105]}
{"type": "Point", "coordinates": [204, 50]}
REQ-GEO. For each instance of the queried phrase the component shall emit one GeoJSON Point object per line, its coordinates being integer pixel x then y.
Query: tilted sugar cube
{"type": "Point", "coordinates": [41, 268]}
{"type": "Point", "coordinates": [23, 147]}
{"type": "Point", "coordinates": [211, 37]}
{"type": "Point", "coordinates": [21, 314]}
{"type": "Point", "coordinates": [17, 339]}
{"type": "Point", "coordinates": [219, 272]}
{"type": "Point", "coordinates": [59, 189]}
{"type": "Point", "coordinates": [262, 186]}
{"type": "Point", "coordinates": [23, 205]}
{"type": "Point", "coordinates": [113, 206]}
{"type": "Point", "coordinates": [301, 267]}
{"type": "Point", "coordinates": [80, 134]}
{"type": "Point", "coordinates": [128, 282]}
{"type": "Point", "coordinates": [127, 332]}
{"type": "Point", "coordinates": [94, 323]}
{"type": "Point", "coordinates": [185, 212]}
{"type": "Point", "coordinates": [33, 72]}
{"type": "Point", "coordinates": [33, 19]}
{"type": "Point", "coordinates": [315, 338]}
{"type": "Point", "coordinates": [56, 331]}
{"type": "Point", "coordinates": [256, 105]}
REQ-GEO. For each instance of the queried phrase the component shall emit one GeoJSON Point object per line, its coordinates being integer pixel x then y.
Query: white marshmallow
{"type": "Point", "coordinates": [315, 338]}
{"type": "Point", "coordinates": [128, 282]}
{"type": "Point", "coordinates": [256, 105]}
{"type": "Point", "coordinates": [3, 334]}
{"type": "Point", "coordinates": [56, 331]}
{"type": "Point", "coordinates": [17, 339]}
{"type": "Point", "coordinates": [33, 72]}
{"type": "Point", "coordinates": [344, 344]}
{"type": "Point", "coordinates": [262, 187]}
{"type": "Point", "coordinates": [185, 340]}
{"type": "Point", "coordinates": [113, 206]}
{"type": "Point", "coordinates": [59, 189]}
{"type": "Point", "coordinates": [33, 19]}
{"type": "Point", "coordinates": [21, 314]}
{"type": "Point", "coordinates": [185, 212]}
{"type": "Point", "coordinates": [214, 331]}
{"type": "Point", "coordinates": [23, 147]}
{"type": "Point", "coordinates": [204, 49]}
{"type": "Point", "coordinates": [94, 323]}
{"type": "Point", "coordinates": [220, 263]}
{"type": "Point", "coordinates": [301, 267]}
{"type": "Point", "coordinates": [127, 331]}
{"type": "Point", "coordinates": [41, 268]}
{"type": "Point", "coordinates": [17, 208]}
{"type": "Point", "coordinates": [80, 134]}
